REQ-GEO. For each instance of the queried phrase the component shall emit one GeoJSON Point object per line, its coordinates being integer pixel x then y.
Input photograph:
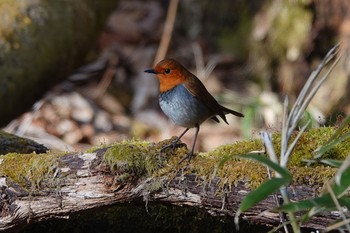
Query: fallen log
{"type": "Point", "coordinates": [39, 187]}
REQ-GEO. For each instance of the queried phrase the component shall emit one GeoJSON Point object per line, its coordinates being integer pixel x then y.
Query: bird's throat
{"type": "Point", "coordinates": [166, 84]}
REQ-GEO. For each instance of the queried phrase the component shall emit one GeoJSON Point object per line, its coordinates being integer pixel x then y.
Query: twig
{"type": "Point", "coordinates": [167, 32]}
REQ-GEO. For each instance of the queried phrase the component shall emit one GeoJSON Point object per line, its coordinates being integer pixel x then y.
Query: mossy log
{"type": "Point", "coordinates": [38, 187]}
{"type": "Point", "coordinates": [12, 143]}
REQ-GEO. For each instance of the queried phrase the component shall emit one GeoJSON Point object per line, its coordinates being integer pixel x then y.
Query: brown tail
{"type": "Point", "coordinates": [227, 110]}
{"type": "Point", "coordinates": [224, 112]}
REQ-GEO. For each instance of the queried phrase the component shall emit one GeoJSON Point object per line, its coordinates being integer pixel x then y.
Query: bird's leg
{"type": "Point", "coordinates": [174, 143]}
{"type": "Point", "coordinates": [189, 155]}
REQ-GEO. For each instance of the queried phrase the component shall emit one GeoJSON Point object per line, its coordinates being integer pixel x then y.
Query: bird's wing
{"type": "Point", "coordinates": [197, 89]}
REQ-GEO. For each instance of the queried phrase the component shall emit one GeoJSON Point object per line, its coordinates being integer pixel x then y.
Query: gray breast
{"type": "Point", "coordinates": [183, 108]}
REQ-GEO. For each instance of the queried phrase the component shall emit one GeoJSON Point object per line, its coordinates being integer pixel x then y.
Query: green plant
{"type": "Point", "coordinates": [282, 177]}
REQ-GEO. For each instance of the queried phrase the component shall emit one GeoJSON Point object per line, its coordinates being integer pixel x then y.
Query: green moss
{"type": "Point", "coordinates": [310, 141]}
{"type": "Point", "coordinates": [231, 169]}
{"type": "Point", "coordinates": [28, 170]}
{"type": "Point", "coordinates": [135, 159]}
{"type": "Point", "coordinates": [131, 157]}
{"type": "Point", "coordinates": [96, 148]}
{"type": "Point", "coordinates": [315, 176]}
{"type": "Point", "coordinates": [222, 162]}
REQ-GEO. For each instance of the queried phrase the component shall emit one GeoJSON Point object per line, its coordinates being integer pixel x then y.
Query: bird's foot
{"type": "Point", "coordinates": [175, 144]}
{"type": "Point", "coordinates": [172, 145]}
{"type": "Point", "coordinates": [189, 156]}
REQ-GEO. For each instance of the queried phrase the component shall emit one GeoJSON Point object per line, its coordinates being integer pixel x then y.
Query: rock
{"type": "Point", "coordinates": [87, 130]}
{"type": "Point", "coordinates": [81, 109]}
{"type": "Point", "coordinates": [66, 126]}
{"type": "Point", "coordinates": [73, 137]}
{"type": "Point", "coordinates": [103, 122]}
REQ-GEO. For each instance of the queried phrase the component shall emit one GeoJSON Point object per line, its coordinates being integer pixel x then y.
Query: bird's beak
{"type": "Point", "coordinates": [152, 71]}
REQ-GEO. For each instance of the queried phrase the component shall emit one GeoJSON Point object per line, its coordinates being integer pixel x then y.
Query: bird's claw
{"type": "Point", "coordinates": [172, 145]}
{"type": "Point", "coordinates": [188, 156]}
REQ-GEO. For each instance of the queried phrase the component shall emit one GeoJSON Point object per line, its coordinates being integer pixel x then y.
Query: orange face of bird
{"type": "Point", "coordinates": [170, 74]}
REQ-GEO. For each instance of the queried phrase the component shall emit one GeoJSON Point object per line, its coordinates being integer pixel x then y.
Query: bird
{"type": "Point", "coordinates": [185, 100]}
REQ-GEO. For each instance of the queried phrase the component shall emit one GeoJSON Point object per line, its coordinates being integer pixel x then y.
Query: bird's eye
{"type": "Point", "coordinates": [167, 71]}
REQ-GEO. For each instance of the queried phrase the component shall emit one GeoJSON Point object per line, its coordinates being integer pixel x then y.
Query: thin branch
{"type": "Point", "coordinates": [168, 30]}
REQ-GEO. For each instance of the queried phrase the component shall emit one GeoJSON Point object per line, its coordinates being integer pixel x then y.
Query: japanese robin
{"type": "Point", "coordinates": [185, 100]}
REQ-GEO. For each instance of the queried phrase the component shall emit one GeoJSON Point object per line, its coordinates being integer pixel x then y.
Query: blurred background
{"type": "Point", "coordinates": [71, 72]}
